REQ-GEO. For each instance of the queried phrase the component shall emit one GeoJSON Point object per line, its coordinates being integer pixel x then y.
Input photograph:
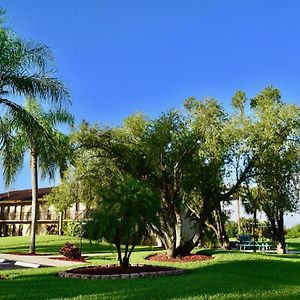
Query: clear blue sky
{"type": "Point", "coordinates": [120, 57]}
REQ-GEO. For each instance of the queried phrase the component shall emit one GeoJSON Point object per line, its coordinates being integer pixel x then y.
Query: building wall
{"type": "Point", "coordinates": [15, 219]}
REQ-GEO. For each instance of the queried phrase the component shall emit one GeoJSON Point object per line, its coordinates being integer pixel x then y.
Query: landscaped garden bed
{"type": "Point", "coordinates": [116, 272]}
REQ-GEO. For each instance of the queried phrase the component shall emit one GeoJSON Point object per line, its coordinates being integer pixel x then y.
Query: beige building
{"type": "Point", "coordinates": [15, 213]}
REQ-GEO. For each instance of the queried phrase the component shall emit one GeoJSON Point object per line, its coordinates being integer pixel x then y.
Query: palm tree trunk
{"type": "Point", "coordinates": [34, 209]}
{"type": "Point", "coordinates": [60, 222]}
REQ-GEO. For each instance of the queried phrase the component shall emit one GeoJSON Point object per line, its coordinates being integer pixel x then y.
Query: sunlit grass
{"type": "Point", "coordinates": [229, 275]}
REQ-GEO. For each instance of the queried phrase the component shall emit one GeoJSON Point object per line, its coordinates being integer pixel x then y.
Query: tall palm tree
{"type": "Point", "coordinates": [47, 146]}
{"type": "Point", "coordinates": [27, 69]}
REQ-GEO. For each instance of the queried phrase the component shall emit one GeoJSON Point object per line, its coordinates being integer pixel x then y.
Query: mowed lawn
{"type": "Point", "coordinates": [229, 275]}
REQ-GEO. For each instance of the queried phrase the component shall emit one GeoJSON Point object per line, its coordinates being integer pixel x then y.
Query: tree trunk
{"type": "Point", "coordinates": [281, 247]}
{"type": "Point", "coordinates": [221, 231]}
{"type": "Point", "coordinates": [34, 206]}
{"type": "Point", "coordinates": [189, 241]}
{"type": "Point", "coordinates": [239, 214]}
{"type": "Point", "coordinates": [125, 263]}
{"type": "Point", "coordinates": [277, 228]}
{"type": "Point", "coordinates": [60, 222]}
{"type": "Point", "coordinates": [254, 230]}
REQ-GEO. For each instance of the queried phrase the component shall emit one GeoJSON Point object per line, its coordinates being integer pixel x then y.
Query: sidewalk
{"type": "Point", "coordinates": [44, 260]}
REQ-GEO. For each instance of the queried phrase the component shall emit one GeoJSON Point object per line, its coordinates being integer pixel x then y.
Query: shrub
{"type": "Point", "coordinates": [293, 232]}
{"type": "Point", "coordinates": [73, 228]}
{"type": "Point", "coordinates": [70, 251]}
{"type": "Point", "coordinates": [209, 239]}
{"type": "Point", "coordinates": [124, 216]}
{"type": "Point", "coordinates": [231, 228]}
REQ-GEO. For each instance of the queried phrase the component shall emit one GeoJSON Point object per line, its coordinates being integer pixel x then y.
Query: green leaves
{"type": "Point", "coordinates": [39, 135]}
{"type": "Point", "coordinates": [126, 212]}
{"type": "Point", "coordinates": [26, 69]}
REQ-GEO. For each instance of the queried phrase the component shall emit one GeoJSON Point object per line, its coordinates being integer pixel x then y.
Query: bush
{"type": "Point", "coordinates": [293, 232]}
{"type": "Point", "coordinates": [231, 228]}
{"type": "Point", "coordinates": [73, 228]}
{"type": "Point", "coordinates": [209, 239]}
{"type": "Point", "coordinates": [70, 251]}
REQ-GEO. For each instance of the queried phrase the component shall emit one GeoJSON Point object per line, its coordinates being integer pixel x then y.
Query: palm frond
{"type": "Point", "coordinates": [37, 85]}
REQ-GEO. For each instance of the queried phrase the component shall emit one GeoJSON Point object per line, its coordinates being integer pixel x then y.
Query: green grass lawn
{"type": "Point", "coordinates": [230, 275]}
{"type": "Point", "coordinates": [49, 244]}
{"type": "Point", "coordinates": [293, 244]}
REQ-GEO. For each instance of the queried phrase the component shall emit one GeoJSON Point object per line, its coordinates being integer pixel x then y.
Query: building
{"type": "Point", "coordinates": [15, 213]}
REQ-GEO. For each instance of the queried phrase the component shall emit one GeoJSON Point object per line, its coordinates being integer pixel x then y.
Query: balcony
{"type": "Point", "coordinates": [25, 217]}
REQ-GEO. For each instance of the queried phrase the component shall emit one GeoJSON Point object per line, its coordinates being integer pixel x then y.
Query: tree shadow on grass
{"type": "Point", "coordinates": [235, 279]}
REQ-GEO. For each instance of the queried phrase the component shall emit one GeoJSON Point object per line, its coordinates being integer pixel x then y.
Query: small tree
{"type": "Point", "coordinates": [123, 216]}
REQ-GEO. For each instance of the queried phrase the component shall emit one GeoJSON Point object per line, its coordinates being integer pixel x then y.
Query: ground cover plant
{"type": "Point", "coordinates": [229, 275]}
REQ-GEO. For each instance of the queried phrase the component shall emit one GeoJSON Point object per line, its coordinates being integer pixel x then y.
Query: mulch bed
{"type": "Point", "coordinates": [188, 258]}
{"type": "Point", "coordinates": [116, 269]}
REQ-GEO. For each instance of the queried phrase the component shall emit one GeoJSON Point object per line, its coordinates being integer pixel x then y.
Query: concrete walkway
{"type": "Point", "coordinates": [43, 260]}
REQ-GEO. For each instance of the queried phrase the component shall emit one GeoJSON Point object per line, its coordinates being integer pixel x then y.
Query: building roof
{"type": "Point", "coordinates": [23, 195]}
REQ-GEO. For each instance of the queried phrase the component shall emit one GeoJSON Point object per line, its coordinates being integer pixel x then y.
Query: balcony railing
{"type": "Point", "coordinates": [26, 216]}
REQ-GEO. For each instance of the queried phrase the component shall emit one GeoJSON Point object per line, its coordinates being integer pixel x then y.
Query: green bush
{"type": "Point", "coordinates": [231, 228]}
{"type": "Point", "coordinates": [73, 228]}
{"type": "Point", "coordinates": [293, 232]}
{"type": "Point", "coordinates": [209, 239]}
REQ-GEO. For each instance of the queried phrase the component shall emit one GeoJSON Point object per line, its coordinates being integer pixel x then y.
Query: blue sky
{"type": "Point", "coordinates": [120, 57]}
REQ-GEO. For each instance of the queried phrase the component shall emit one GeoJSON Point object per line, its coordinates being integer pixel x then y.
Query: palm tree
{"type": "Point", "coordinates": [48, 149]}
{"type": "Point", "coordinates": [26, 69]}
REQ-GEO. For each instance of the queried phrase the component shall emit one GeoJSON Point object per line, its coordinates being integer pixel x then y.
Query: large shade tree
{"type": "Point", "coordinates": [278, 125]}
{"type": "Point", "coordinates": [268, 156]}
{"type": "Point", "coordinates": [171, 154]}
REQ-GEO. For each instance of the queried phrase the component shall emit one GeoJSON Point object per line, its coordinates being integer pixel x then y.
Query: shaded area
{"type": "Point", "coordinates": [12, 265]}
{"type": "Point", "coordinates": [116, 269]}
